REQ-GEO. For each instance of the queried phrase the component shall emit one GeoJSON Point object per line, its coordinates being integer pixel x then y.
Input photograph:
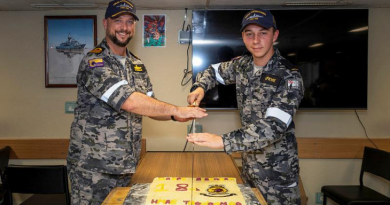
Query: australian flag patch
{"type": "Point", "coordinates": [292, 84]}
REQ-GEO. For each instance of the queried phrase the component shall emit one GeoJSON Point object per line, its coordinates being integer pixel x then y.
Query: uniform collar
{"type": "Point", "coordinates": [273, 62]}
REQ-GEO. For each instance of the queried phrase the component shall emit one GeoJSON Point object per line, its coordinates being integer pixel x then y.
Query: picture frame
{"type": "Point", "coordinates": [154, 30]}
{"type": "Point", "coordinates": [67, 40]}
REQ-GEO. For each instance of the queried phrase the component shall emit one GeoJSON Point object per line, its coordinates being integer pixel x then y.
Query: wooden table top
{"type": "Point", "coordinates": [179, 164]}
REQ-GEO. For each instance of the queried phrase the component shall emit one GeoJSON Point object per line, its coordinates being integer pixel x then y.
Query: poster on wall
{"type": "Point", "coordinates": [67, 40]}
{"type": "Point", "coordinates": [153, 34]}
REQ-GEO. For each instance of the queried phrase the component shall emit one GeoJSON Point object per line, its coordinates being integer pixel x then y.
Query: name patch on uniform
{"type": "Point", "coordinates": [94, 63]}
{"type": "Point", "coordinates": [96, 50]}
{"type": "Point", "coordinates": [293, 84]}
{"type": "Point", "coordinates": [270, 79]}
{"type": "Point", "coordinates": [138, 67]}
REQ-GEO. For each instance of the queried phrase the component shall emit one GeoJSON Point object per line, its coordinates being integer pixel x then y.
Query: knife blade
{"type": "Point", "coordinates": [193, 157]}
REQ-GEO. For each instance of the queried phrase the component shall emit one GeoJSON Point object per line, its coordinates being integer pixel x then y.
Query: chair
{"type": "Point", "coordinates": [376, 162]}
{"type": "Point", "coordinates": [4, 159]}
{"type": "Point", "coordinates": [49, 184]}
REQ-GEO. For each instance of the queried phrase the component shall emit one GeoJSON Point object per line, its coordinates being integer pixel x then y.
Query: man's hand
{"type": "Point", "coordinates": [206, 140]}
{"type": "Point", "coordinates": [144, 105]}
{"type": "Point", "coordinates": [184, 114]}
{"type": "Point", "coordinates": [195, 96]}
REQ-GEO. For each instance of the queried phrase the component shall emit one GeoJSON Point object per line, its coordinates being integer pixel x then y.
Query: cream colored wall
{"type": "Point", "coordinates": [29, 110]}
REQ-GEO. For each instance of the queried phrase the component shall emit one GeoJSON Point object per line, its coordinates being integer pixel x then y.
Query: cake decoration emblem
{"type": "Point", "coordinates": [217, 190]}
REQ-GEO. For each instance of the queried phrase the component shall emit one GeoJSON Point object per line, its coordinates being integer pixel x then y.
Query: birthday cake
{"type": "Point", "coordinates": [199, 191]}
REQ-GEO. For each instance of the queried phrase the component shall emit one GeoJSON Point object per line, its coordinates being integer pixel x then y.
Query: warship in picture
{"type": "Point", "coordinates": [71, 47]}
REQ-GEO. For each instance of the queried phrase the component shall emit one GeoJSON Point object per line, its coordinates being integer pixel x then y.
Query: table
{"type": "Point", "coordinates": [165, 164]}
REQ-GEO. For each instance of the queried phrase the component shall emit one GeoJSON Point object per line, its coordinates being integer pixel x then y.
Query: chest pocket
{"type": "Point", "coordinates": [140, 78]}
{"type": "Point", "coordinates": [266, 93]}
{"type": "Point", "coordinates": [267, 88]}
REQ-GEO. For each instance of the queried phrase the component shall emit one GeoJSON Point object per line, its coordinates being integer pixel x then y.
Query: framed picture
{"type": "Point", "coordinates": [67, 40]}
{"type": "Point", "coordinates": [153, 32]}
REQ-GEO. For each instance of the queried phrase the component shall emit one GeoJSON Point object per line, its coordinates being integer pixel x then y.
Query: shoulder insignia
{"type": "Point", "coordinates": [97, 50]}
{"type": "Point", "coordinates": [289, 65]}
{"type": "Point", "coordinates": [135, 56]}
{"type": "Point", "coordinates": [94, 63]}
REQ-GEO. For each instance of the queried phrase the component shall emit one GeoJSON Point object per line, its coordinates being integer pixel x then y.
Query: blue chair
{"type": "Point", "coordinates": [376, 162]}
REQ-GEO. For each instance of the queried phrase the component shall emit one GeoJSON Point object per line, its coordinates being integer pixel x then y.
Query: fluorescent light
{"type": "Point", "coordinates": [317, 3]}
{"type": "Point", "coordinates": [64, 5]}
{"type": "Point", "coordinates": [316, 45]}
{"type": "Point", "coordinates": [275, 43]}
{"type": "Point", "coordinates": [204, 42]}
{"type": "Point", "coordinates": [45, 5]}
{"type": "Point", "coordinates": [291, 54]}
{"type": "Point", "coordinates": [365, 28]}
{"type": "Point", "coordinates": [81, 5]}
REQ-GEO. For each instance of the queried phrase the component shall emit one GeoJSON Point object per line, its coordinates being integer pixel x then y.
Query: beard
{"type": "Point", "coordinates": [116, 41]}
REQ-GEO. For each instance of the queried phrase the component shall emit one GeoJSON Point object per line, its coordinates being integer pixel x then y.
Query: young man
{"type": "Point", "coordinates": [269, 90]}
{"type": "Point", "coordinates": [114, 92]}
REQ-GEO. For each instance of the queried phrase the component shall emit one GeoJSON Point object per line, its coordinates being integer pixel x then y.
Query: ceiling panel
{"type": "Point", "coordinates": [24, 5]}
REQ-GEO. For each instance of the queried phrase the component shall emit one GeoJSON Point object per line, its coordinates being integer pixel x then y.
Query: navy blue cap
{"type": "Point", "coordinates": [263, 18]}
{"type": "Point", "coordinates": [118, 7]}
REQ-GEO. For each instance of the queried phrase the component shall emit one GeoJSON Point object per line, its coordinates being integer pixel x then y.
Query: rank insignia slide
{"type": "Point", "coordinates": [96, 50]}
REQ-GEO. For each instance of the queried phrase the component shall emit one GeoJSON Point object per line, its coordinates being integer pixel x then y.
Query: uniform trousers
{"type": "Point", "coordinates": [276, 194]}
{"type": "Point", "coordinates": [91, 188]}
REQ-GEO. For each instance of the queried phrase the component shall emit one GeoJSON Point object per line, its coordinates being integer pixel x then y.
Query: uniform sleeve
{"type": "Point", "coordinates": [273, 125]}
{"type": "Point", "coordinates": [102, 82]}
{"type": "Point", "coordinates": [149, 87]}
{"type": "Point", "coordinates": [222, 73]}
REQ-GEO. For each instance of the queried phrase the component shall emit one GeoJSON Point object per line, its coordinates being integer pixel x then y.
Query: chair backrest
{"type": "Point", "coordinates": [37, 179]}
{"type": "Point", "coordinates": [377, 162]}
{"type": "Point", "coordinates": [4, 157]}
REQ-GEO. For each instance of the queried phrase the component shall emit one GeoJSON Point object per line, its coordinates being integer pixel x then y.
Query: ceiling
{"type": "Point", "coordinates": [25, 5]}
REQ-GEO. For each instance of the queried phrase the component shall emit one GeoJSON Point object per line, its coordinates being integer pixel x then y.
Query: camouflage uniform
{"type": "Point", "coordinates": [268, 100]}
{"type": "Point", "coordinates": [104, 139]}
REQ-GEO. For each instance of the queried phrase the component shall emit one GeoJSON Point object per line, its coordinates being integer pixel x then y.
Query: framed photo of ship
{"type": "Point", "coordinates": [67, 40]}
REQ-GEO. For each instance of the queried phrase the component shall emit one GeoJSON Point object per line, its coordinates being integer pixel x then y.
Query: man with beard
{"type": "Point", "coordinates": [114, 92]}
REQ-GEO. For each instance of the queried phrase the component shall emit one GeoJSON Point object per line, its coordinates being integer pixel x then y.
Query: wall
{"type": "Point", "coordinates": [29, 110]}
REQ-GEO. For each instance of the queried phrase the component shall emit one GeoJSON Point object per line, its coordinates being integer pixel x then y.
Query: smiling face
{"type": "Point", "coordinates": [259, 41]}
{"type": "Point", "coordinates": [120, 30]}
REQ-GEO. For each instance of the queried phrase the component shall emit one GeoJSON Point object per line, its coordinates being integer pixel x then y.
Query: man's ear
{"type": "Point", "coordinates": [105, 24]}
{"type": "Point", "coordinates": [276, 35]}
